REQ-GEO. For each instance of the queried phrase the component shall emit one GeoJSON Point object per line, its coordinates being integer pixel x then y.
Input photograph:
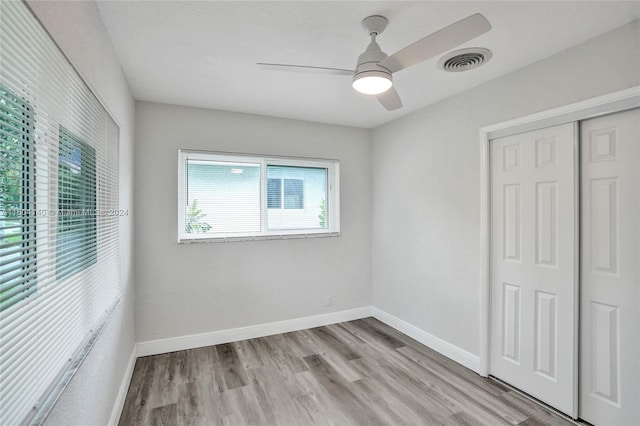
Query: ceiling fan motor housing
{"type": "Point", "coordinates": [368, 62]}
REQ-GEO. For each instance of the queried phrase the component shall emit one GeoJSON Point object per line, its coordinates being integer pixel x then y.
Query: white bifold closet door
{"type": "Point", "coordinates": [533, 271]}
{"type": "Point", "coordinates": [610, 269]}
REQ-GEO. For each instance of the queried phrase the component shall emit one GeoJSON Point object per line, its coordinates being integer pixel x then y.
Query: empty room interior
{"type": "Point", "coordinates": [319, 212]}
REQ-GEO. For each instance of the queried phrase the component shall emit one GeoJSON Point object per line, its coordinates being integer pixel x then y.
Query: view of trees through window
{"type": "Point", "coordinates": [17, 224]}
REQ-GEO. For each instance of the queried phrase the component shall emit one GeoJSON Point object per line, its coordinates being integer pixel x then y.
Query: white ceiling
{"type": "Point", "coordinates": [204, 53]}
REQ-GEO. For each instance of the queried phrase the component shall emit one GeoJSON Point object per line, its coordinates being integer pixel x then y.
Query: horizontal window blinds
{"type": "Point", "coordinates": [59, 249]}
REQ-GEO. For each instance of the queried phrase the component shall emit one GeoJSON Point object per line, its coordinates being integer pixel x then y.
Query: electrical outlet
{"type": "Point", "coordinates": [327, 301]}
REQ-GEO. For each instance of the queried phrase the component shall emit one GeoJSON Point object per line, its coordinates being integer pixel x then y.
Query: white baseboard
{"type": "Point", "coordinates": [118, 405]}
{"type": "Point", "coordinates": [447, 349]}
{"type": "Point", "coordinates": [154, 347]}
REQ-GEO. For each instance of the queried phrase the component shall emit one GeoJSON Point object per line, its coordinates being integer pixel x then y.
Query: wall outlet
{"type": "Point", "coordinates": [327, 301]}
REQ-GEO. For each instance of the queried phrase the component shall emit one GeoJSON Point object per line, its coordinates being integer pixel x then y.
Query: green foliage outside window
{"type": "Point", "coordinates": [17, 196]}
{"type": "Point", "coordinates": [323, 213]}
{"type": "Point", "coordinates": [194, 223]}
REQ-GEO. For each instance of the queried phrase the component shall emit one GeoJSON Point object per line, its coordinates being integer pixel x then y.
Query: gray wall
{"type": "Point", "coordinates": [426, 192]}
{"type": "Point", "coordinates": [198, 288]}
{"type": "Point", "coordinates": [78, 29]}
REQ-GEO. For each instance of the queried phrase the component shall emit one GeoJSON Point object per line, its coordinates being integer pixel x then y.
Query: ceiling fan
{"type": "Point", "coordinates": [373, 73]}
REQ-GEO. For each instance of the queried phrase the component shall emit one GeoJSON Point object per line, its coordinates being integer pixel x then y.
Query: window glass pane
{"type": "Point", "coordinates": [274, 193]}
{"type": "Point", "coordinates": [293, 194]}
{"type": "Point", "coordinates": [77, 236]}
{"type": "Point", "coordinates": [222, 197]}
{"type": "Point", "coordinates": [17, 221]}
{"type": "Point", "coordinates": [305, 198]}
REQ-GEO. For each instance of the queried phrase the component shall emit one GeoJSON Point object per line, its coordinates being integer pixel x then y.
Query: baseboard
{"type": "Point", "coordinates": [154, 347]}
{"type": "Point", "coordinates": [447, 349]}
{"type": "Point", "coordinates": [118, 405]}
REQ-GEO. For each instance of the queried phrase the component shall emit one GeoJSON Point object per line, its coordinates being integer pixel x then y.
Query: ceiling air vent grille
{"type": "Point", "coordinates": [464, 59]}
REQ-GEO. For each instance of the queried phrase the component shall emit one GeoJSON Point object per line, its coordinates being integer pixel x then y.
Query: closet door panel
{"type": "Point", "coordinates": [610, 269]}
{"type": "Point", "coordinates": [533, 331]}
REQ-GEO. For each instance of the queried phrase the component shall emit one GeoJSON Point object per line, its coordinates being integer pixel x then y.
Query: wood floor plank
{"type": "Point", "coordinates": [245, 405]}
{"type": "Point", "coordinates": [300, 343]}
{"type": "Point", "coordinates": [355, 373]}
{"type": "Point", "coordinates": [475, 400]}
{"type": "Point", "coordinates": [279, 385]}
{"type": "Point", "coordinates": [465, 418]}
{"type": "Point", "coordinates": [380, 334]}
{"type": "Point", "coordinates": [249, 355]}
{"type": "Point", "coordinates": [190, 410]}
{"type": "Point", "coordinates": [310, 413]}
{"type": "Point", "coordinates": [137, 412]}
{"type": "Point", "coordinates": [234, 375]}
{"type": "Point", "coordinates": [425, 409]}
{"type": "Point", "coordinates": [179, 366]}
{"type": "Point", "coordinates": [266, 401]}
{"type": "Point", "coordinates": [331, 340]}
{"type": "Point", "coordinates": [536, 414]}
{"type": "Point", "coordinates": [332, 356]}
{"type": "Point", "coordinates": [382, 406]}
{"type": "Point", "coordinates": [214, 401]}
{"type": "Point", "coordinates": [342, 396]}
{"type": "Point", "coordinates": [317, 402]}
{"type": "Point", "coordinates": [270, 352]}
{"type": "Point", "coordinates": [456, 376]}
{"type": "Point", "coordinates": [164, 416]}
{"type": "Point", "coordinates": [283, 354]}
{"type": "Point", "coordinates": [163, 383]}
{"type": "Point", "coordinates": [294, 354]}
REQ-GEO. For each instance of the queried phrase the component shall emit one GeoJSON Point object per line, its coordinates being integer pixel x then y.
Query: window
{"type": "Point", "coordinates": [59, 218]}
{"type": "Point", "coordinates": [289, 190]}
{"type": "Point", "coordinates": [76, 237]}
{"type": "Point", "coordinates": [293, 190]}
{"type": "Point", "coordinates": [227, 197]}
{"type": "Point", "coordinates": [274, 193]}
{"type": "Point", "coordinates": [17, 244]}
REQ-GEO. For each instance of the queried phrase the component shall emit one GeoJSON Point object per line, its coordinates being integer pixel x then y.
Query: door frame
{"type": "Point", "coordinates": [601, 105]}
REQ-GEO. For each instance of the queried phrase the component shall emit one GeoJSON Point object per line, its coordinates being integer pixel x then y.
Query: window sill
{"type": "Point", "coordinates": [258, 238]}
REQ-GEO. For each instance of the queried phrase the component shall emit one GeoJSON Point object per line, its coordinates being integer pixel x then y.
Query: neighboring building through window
{"type": "Point", "coordinates": [291, 191]}
{"type": "Point", "coordinates": [237, 196]}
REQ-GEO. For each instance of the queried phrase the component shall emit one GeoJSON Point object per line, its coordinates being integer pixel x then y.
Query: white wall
{"type": "Point", "coordinates": [426, 192]}
{"type": "Point", "coordinates": [198, 288]}
{"type": "Point", "coordinates": [78, 29]}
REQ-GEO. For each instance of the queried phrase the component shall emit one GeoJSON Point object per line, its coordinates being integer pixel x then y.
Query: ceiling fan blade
{"type": "Point", "coordinates": [305, 68]}
{"type": "Point", "coordinates": [390, 99]}
{"type": "Point", "coordinates": [439, 42]}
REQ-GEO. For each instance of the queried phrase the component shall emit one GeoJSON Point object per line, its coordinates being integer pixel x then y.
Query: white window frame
{"type": "Point", "coordinates": [333, 196]}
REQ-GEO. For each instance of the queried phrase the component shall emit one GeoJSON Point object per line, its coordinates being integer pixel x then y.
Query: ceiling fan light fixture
{"type": "Point", "coordinates": [372, 82]}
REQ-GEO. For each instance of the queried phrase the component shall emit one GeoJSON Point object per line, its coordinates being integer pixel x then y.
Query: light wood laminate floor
{"type": "Point", "coordinates": [354, 373]}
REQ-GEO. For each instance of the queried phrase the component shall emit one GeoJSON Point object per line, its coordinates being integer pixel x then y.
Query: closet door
{"type": "Point", "coordinates": [610, 271]}
{"type": "Point", "coordinates": [533, 271]}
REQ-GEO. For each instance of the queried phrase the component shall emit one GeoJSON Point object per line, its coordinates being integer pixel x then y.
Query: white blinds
{"type": "Point", "coordinates": [59, 260]}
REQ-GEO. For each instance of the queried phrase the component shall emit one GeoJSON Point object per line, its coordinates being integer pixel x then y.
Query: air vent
{"type": "Point", "coordinates": [464, 59]}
